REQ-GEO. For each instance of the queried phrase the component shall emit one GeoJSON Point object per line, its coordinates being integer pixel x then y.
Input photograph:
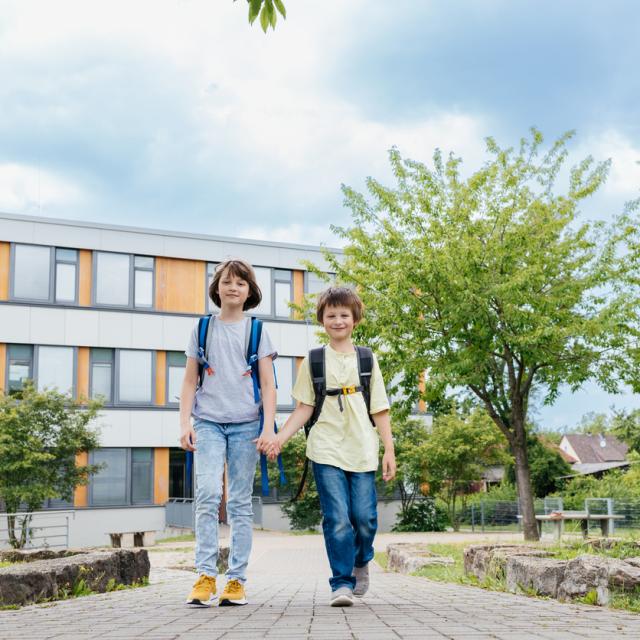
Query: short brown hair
{"type": "Point", "coordinates": [340, 297]}
{"type": "Point", "coordinates": [240, 269]}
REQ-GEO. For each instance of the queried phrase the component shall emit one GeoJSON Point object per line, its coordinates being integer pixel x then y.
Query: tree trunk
{"type": "Point", "coordinates": [523, 482]}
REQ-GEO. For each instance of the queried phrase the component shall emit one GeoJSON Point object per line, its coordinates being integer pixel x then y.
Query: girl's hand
{"type": "Point", "coordinates": [275, 448]}
{"type": "Point", "coordinates": [188, 438]}
{"type": "Point", "coordinates": [264, 441]}
{"type": "Point", "coordinates": [388, 466]}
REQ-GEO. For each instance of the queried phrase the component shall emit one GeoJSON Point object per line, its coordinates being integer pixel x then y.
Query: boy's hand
{"type": "Point", "coordinates": [388, 466]}
{"type": "Point", "coordinates": [264, 440]}
{"type": "Point", "coordinates": [275, 448]}
{"type": "Point", "coordinates": [188, 437]}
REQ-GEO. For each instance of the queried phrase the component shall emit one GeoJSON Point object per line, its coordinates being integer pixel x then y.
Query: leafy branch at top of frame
{"type": "Point", "coordinates": [267, 11]}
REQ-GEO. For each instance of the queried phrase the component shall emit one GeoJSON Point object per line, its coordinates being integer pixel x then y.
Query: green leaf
{"type": "Point", "coordinates": [264, 18]}
{"type": "Point", "coordinates": [273, 16]}
{"type": "Point", "coordinates": [280, 6]}
{"type": "Point", "coordinates": [254, 10]}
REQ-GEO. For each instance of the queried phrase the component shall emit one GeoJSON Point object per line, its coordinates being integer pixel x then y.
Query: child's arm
{"type": "Point", "coordinates": [383, 423]}
{"type": "Point", "coordinates": [299, 417]}
{"type": "Point", "coordinates": [269, 395]}
{"type": "Point", "coordinates": [187, 394]}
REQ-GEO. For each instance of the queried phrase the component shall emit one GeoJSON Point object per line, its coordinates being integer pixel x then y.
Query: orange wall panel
{"type": "Point", "coordinates": [84, 293]}
{"type": "Point", "coordinates": [81, 494]}
{"type": "Point", "coordinates": [4, 270]}
{"type": "Point", "coordinates": [161, 475]}
{"type": "Point", "coordinates": [3, 365]}
{"type": "Point", "coordinates": [83, 373]}
{"type": "Point", "coordinates": [161, 377]}
{"type": "Point", "coordinates": [180, 285]}
{"type": "Point", "coordinates": [298, 291]}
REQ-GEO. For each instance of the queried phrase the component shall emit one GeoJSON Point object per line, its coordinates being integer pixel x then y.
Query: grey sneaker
{"type": "Point", "coordinates": [342, 597]}
{"type": "Point", "coordinates": [362, 580]}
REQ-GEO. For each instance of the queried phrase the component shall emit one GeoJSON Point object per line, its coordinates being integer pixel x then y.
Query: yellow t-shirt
{"type": "Point", "coordinates": [344, 439]}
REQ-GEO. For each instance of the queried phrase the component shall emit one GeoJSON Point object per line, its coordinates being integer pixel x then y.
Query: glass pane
{"type": "Point", "coordinates": [65, 282]}
{"type": "Point", "coordinates": [282, 274]}
{"type": "Point", "coordinates": [176, 358]}
{"type": "Point", "coordinates": [67, 255]}
{"type": "Point", "coordinates": [102, 355]}
{"type": "Point", "coordinates": [284, 375]}
{"type": "Point", "coordinates": [315, 284]}
{"type": "Point", "coordinates": [283, 297]}
{"type": "Point", "coordinates": [112, 278]}
{"type": "Point", "coordinates": [18, 373]}
{"type": "Point", "coordinates": [135, 377]}
{"type": "Point", "coordinates": [141, 483]}
{"type": "Point", "coordinates": [31, 272]}
{"type": "Point", "coordinates": [176, 375]}
{"type": "Point", "coordinates": [143, 262]}
{"type": "Point", "coordinates": [55, 368]}
{"type": "Point", "coordinates": [144, 288]}
{"type": "Point", "coordinates": [101, 380]}
{"type": "Point", "coordinates": [141, 455]}
{"type": "Point", "coordinates": [20, 352]}
{"type": "Point", "coordinates": [263, 276]}
{"type": "Point", "coordinates": [109, 485]}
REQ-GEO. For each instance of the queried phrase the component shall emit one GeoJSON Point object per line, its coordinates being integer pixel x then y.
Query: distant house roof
{"type": "Point", "coordinates": [595, 467]}
{"type": "Point", "coordinates": [594, 449]}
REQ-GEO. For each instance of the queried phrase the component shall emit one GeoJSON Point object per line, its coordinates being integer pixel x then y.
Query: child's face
{"type": "Point", "coordinates": [338, 322]}
{"type": "Point", "coordinates": [233, 290]}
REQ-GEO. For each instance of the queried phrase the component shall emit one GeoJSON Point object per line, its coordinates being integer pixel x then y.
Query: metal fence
{"type": "Point", "coordinates": [495, 515]}
{"type": "Point", "coordinates": [46, 529]}
{"type": "Point", "coordinates": [180, 512]}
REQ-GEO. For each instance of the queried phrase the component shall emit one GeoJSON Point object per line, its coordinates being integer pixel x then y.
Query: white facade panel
{"type": "Point", "coordinates": [139, 427]}
{"type": "Point", "coordinates": [176, 332]}
{"type": "Point", "coordinates": [146, 330]}
{"type": "Point", "coordinates": [63, 235]}
{"type": "Point", "coordinates": [129, 242]}
{"type": "Point", "coordinates": [170, 429]}
{"type": "Point", "coordinates": [81, 327]}
{"type": "Point", "coordinates": [47, 325]}
{"type": "Point", "coordinates": [91, 527]}
{"type": "Point", "coordinates": [14, 323]}
{"type": "Point", "coordinates": [146, 428]}
{"type": "Point", "coordinates": [114, 329]}
{"type": "Point", "coordinates": [114, 428]}
{"type": "Point", "coordinates": [16, 230]}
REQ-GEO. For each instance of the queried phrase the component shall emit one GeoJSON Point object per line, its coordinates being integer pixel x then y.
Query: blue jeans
{"type": "Point", "coordinates": [215, 445]}
{"type": "Point", "coordinates": [350, 519]}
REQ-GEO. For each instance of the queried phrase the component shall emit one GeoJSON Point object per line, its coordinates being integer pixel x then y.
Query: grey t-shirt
{"type": "Point", "coordinates": [227, 396]}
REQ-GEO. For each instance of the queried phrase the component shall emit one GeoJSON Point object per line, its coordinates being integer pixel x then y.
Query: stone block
{"type": "Point", "coordinates": [409, 557]}
{"type": "Point", "coordinates": [541, 575]}
{"type": "Point", "coordinates": [489, 560]}
{"type": "Point", "coordinates": [584, 574]}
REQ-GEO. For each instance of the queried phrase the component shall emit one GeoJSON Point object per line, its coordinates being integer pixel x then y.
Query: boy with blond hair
{"type": "Point", "coordinates": [342, 445]}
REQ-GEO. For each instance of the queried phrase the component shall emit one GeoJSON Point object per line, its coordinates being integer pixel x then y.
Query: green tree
{"type": "Point", "coordinates": [490, 284]}
{"type": "Point", "coordinates": [267, 10]}
{"type": "Point", "coordinates": [546, 464]}
{"type": "Point", "coordinates": [41, 432]}
{"type": "Point", "coordinates": [456, 453]}
{"type": "Point", "coordinates": [626, 426]}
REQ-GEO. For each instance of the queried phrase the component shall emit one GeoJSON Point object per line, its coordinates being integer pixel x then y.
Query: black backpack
{"type": "Point", "coordinates": [319, 380]}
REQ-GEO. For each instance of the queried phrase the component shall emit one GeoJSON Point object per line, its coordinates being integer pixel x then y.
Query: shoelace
{"type": "Point", "coordinates": [205, 580]}
{"type": "Point", "coordinates": [233, 586]}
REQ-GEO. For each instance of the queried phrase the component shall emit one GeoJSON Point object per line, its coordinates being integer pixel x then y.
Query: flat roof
{"type": "Point", "coordinates": [163, 232]}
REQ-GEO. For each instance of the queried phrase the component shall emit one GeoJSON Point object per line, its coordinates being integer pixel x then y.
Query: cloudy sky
{"type": "Point", "coordinates": [176, 114]}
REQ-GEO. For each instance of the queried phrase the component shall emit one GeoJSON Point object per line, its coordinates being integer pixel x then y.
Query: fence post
{"type": "Point", "coordinates": [482, 515]}
{"type": "Point", "coordinates": [611, 524]}
{"type": "Point", "coordinates": [473, 518]}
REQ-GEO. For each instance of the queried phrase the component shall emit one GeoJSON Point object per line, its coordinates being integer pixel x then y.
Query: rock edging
{"type": "Point", "coordinates": [407, 557]}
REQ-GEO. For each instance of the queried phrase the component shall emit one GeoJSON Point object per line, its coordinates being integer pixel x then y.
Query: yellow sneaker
{"type": "Point", "coordinates": [233, 594]}
{"type": "Point", "coordinates": [203, 593]}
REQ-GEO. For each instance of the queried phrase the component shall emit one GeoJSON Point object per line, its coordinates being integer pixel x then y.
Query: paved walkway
{"type": "Point", "coordinates": [288, 593]}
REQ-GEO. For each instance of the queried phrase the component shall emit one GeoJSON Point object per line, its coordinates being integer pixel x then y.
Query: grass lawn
{"type": "Point", "coordinates": [629, 601]}
{"type": "Point", "coordinates": [4, 564]}
{"type": "Point", "coordinates": [187, 537]}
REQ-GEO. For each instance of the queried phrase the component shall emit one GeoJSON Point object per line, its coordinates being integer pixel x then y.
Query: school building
{"type": "Point", "coordinates": [104, 310]}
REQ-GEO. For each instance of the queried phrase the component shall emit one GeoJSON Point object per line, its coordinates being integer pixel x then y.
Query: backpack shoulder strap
{"type": "Point", "coordinates": [365, 369]}
{"type": "Point", "coordinates": [319, 381]}
{"type": "Point", "coordinates": [252, 343]}
{"type": "Point", "coordinates": [205, 327]}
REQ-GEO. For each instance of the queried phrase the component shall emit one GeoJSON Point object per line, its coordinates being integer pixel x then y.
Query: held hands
{"type": "Point", "coordinates": [388, 466]}
{"type": "Point", "coordinates": [267, 443]}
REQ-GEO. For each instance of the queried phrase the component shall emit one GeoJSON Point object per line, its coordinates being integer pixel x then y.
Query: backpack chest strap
{"type": "Point", "coordinates": [343, 391]}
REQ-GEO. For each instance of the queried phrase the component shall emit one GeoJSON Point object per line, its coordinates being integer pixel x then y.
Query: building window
{"type": "Point", "coordinates": [112, 278]}
{"type": "Point", "coordinates": [19, 366]}
{"type": "Point", "coordinates": [284, 376]}
{"type": "Point", "coordinates": [176, 363]}
{"type": "Point", "coordinates": [263, 278]}
{"type": "Point", "coordinates": [101, 375]}
{"type": "Point", "coordinates": [314, 284]}
{"type": "Point", "coordinates": [123, 280]}
{"type": "Point", "coordinates": [143, 282]}
{"type": "Point", "coordinates": [283, 292]}
{"type": "Point", "coordinates": [211, 270]}
{"type": "Point", "coordinates": [31, 272]}
{"type": "Point", "coordinates": [55, 368]}
{"type": "Point", "coordinates": [126, 477]}
{"type": "Point", "coordinates": [135, 377]}
{"type": "Point", "coordinates": [66, 275]}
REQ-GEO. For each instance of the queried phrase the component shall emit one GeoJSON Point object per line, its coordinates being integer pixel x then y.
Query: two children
{"type": "Point", "coordinates": [342, 445]}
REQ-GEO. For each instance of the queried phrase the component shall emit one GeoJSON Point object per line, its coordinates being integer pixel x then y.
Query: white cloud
{"type": "Point", "coordinates": [624, 179]}
{"type": "Point", "coordinates": [312, 235]}
{"type": "Point", "coordinates": [25, 189]}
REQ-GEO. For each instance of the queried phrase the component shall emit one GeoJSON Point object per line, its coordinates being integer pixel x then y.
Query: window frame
{"type": "Point", "coordinates": [273, 279]}
{"type": "Point", "coordinates": [53, 262]}
{"type": "Point", "coordinates": [92, 361]}
{"type": "Point", "coordinates": [131, 282]}
{"type": "Point", "coordinates": [7, 365]}
{"type": "Point", "coordinates": [128, 480]}
{"type": "Point", "coordinates": [210, 307]}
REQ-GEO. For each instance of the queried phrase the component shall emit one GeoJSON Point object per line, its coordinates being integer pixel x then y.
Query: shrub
{"type": "Point", "coordinates": [422, 515]}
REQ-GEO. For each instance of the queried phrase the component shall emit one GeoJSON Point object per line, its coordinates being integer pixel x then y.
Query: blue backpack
{"type": "Point", "coordinates": [252, 342]}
